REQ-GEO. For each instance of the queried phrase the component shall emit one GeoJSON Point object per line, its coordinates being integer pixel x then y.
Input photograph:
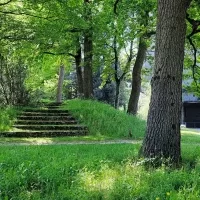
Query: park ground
{"type": "Point", "coordinates": [102, 165]}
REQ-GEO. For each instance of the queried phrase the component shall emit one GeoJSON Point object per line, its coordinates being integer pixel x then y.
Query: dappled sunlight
{"type": "Point", "coordinates": [190, 131]}
{"type": "Point", "coordinates": [38, 140]}
{"type": "Point", "coordinates": [190, 136]}
{"type": "Point", "coordinates": [103, 180]}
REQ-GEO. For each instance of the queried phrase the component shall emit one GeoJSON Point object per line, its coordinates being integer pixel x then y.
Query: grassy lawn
{"type": "Point", "coordinates": [110, 171]}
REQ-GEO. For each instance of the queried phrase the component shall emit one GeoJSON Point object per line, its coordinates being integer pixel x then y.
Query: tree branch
{"type": "Point", "coordinates": [9, 37]}
{"type": "Point", "coordinates": [195, 25]}
{"type": "Point", "coordinates": [3, 4]}
{"type": "Point", "coordinates": [116, 58]}
{"type": "Point", "coordinates": [58, 54]}
{"type": "Point", "coordinates": [115, 7]}
{"type": "Point", "coordinates": [27, 14]}
{"type": "Point", "coordinates": [128, 63]}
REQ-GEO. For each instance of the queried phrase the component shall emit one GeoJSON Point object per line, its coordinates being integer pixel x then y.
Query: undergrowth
{"type": "Point", "coordinates": [7, 115]}
{"type": "Point", "coordinates": [103, 119]}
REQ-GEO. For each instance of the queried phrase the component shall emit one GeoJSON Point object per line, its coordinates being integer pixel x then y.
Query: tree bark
{"type": "Point", "coordinates": [162, 139]}
{"type": "Point", "coordinates": [60, 84]}
{"type": "Point", "coordinates": [88, 80]}
{"type": "Point", "coordinates": [136, 78]}
{"type": "Point", "coordinates": [117, 94]}
{"type": "Point", "coordinates": [88, 47]}
{"type": "Point", "coordinates": [79, 71]}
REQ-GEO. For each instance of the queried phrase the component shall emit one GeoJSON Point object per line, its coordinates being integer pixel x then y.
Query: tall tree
{"type": "Point", "coordinates": [146, 18]}
{"type": "Point", "coordinates": [136, 77]}
{"type": "Point", "coordinates": [162, 139]}
{"type": "Point", "coordinates": [60, 84]}
{"type": "Point", "coordinates": [88, 47]}
{"type": "Point", "coordinates": [79, 74]}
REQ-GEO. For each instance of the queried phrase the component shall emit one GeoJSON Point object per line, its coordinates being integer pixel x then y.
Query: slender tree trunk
{"type": "Point", "coordinates": [60, 84]}
{"type": "Point", "coordinates": [88, 80]}
{"type": "Point", "coordinates": [117, 94]}
{"type": "Point", "coordinates": [88, 47]}
{"type": "Point", "coordinates": [162, 139]}
{"type": "Point", "coordinates": [136, 78]}
{"type": "Point", "coordinates": [79, 71]}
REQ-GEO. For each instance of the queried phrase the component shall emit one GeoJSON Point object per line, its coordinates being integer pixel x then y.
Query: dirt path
{"type": "Point", "coordinates": [71, 143]}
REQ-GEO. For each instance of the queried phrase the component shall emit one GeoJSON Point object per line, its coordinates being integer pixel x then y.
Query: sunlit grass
{"type": "Point", "coordinates": [190, 136]}
{"type": "Point", "coordinates": [93, 172]}
{"type": "Point", "coordinates": [103, 119]}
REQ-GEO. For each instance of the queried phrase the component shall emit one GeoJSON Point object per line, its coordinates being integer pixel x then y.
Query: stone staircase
{"type": "Point", "coordinates": [49, 121]}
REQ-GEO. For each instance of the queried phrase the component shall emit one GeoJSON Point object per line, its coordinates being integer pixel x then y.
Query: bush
{"type": "Point", "coordinates": [7, 116]}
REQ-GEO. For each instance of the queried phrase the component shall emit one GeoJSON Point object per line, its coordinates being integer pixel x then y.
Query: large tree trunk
{"type": "Point", "coordinates": [60, 84]}
{"type": "Point", "coordinates": [88, 82]}
{"type": "Point", "coordinates": [79, 71]}
{"type": "Point", "coordinates": [162, 139]}
{"type": "Point", "coordinates": [136, 78]}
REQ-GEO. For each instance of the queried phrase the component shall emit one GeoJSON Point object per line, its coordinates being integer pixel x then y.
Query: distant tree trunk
{"type": "Point", "coordinates": [162, 139]}
{"type": "Point", "coordinates": [60, 84]}
{"type": "Point", "coordinates": [79, 71]}
{"type": "Point", "coordinates": [136, 78]}
{"type": "Point", "coordinates": [117, 94]}
{"type": "Point", "coordinates": [88, 47]}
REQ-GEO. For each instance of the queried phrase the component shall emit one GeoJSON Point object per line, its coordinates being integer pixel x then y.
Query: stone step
{"type": "Point", "coordinates": [50, 127]}
{"type": "Point", "coordinates": [57, 133]}
{"type": "Point", "coordinates": [46, 111]}
{"type": "Point", "coordinates": [48, 117]}
{"type": "Point", "coordinates": [46, 121]}
{"type": "Point", "coordinates": [53, 104]}
{"type": "Point", "coordinates": [56, 122]}
{"type": "Point", "coordinates": [43, 114]}
{"type": "Point", "coordinates": [52, 107]}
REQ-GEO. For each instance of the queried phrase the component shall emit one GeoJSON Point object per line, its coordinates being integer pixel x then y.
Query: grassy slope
{"type": "Point", "coordinates": [104, 120]}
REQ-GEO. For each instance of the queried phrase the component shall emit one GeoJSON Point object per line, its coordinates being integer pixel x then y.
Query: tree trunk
{"type": "Point", "coordinates": [60, 84]}
{"type": "Point", "coordinates": [117, 94]}
{"type": "Point", "coordinates": [136, 78]}
{"type": "Point", "coordinates": [79, 71]}
{"type": "Point", "coordinates": [162, 139]}
{"type": "Point", "coordinates": [88, 82]}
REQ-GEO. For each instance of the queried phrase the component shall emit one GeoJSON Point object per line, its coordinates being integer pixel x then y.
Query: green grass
{"type": "Point", "coordinates": [190, 136]}
{"type": "Point", "coordinates": [7, 117]}
{"type": "Point", "coordinates": [102, 119]}
{"type": "Point", "coordinates": [93, 172]}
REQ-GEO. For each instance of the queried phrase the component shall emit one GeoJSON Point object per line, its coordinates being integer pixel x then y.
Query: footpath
{"type": "Point", "coordinates": [70, 143]}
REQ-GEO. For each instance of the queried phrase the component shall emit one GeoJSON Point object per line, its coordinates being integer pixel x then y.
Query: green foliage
{"type": "Point", "coordinates": [7, 115]}
{"type": "Point", "coordinates": [102, 119]}
{"type": "Point", "coordinates": [191, 68]}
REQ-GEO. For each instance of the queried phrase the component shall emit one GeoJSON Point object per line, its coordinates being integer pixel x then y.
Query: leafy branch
{"type": "Point", "coordinates": [3, 4]}
{"type": "Point", "coordinates": [28, 14]}
{"type": "Point", "coordinates": [195, 30]}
